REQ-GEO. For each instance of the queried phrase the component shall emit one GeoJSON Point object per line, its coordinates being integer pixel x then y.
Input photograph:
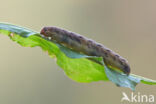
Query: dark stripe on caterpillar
{"type": "Point", "coordinates": [86, 46]}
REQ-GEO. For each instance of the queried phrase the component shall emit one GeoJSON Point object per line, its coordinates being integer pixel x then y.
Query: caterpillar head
{"type": "Point", "coordinates": [53, 33]}
{"type": "Point", "coordinates": [47, 32]}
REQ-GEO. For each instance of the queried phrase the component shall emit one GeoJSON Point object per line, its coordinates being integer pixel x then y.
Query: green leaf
{"type": "Point", "coordinates": [145, 80]}
{"type": "Point", "coordinates": [78, 67]}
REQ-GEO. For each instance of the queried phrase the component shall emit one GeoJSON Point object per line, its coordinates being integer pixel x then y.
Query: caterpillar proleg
{"type": "Point", "coordinates": [86, 46]}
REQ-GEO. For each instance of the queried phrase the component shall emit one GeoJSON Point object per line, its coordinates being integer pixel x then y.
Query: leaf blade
{"type": "Point", "coordinates": [78, 67]}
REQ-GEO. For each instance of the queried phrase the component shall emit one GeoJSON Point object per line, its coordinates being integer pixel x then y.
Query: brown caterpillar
{"type": "Point", "coordinates": [86, 46]}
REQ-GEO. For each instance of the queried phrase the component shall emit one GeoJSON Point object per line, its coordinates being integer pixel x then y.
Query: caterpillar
{"type": "Point", "coordinates": [86, 46]}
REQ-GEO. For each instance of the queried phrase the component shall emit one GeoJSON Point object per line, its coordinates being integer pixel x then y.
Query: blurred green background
{"type": "Point", "coordinates": [30, 76]}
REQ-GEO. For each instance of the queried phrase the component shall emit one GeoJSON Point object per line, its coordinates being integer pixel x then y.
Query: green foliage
{"type": "Point", "coordinates": [78, 67]}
